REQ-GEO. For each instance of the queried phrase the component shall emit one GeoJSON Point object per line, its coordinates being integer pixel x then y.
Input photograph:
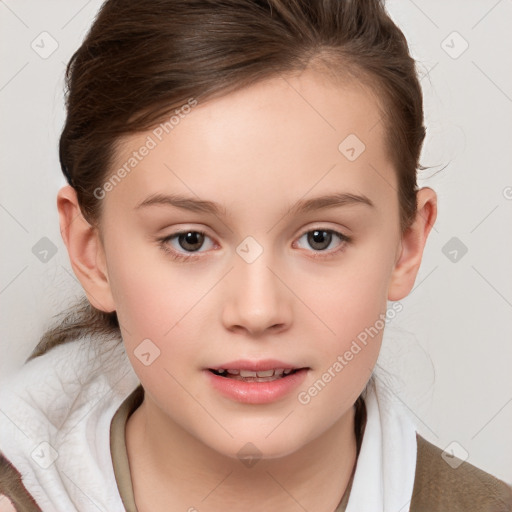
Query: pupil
{"type": "Point", "coordinates": [192, 238]}
{"type": "Point", "coordinates": [318, 237]}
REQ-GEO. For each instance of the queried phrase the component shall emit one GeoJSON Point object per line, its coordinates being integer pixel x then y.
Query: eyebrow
{"type": "Point", "coordinates": [301, 206]}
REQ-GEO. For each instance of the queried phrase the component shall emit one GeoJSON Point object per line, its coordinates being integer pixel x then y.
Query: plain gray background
{"type": "Point", "coordinates": [450, 349]}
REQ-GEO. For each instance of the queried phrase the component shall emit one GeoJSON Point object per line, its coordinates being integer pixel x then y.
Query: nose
{"type": "Point", "coordinates": [257, 302]}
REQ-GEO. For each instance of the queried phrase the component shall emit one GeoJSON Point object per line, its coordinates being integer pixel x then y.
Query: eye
{"type": "Point", "coordinates": [321, 239]}
{"type": "Point", "coordinates": [189, 241]}
{"type": "Point", "coordinates": [182, 245]}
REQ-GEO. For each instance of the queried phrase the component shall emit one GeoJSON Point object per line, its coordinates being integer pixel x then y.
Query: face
{"type": "Point", "coordinates": [260, 280]}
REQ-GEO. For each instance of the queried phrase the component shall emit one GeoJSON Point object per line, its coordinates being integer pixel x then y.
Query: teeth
{"type": "Point", "coordinates": [247, 373]}
{"type": "Point", "coordinates": [266, 373]}
{"type": "Point", "coordinates": [263, 373]}
{"type": "Point", "coordinates": [277, 373]}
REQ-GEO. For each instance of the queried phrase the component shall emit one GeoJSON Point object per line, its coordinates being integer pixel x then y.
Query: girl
{"type": "Point", "coordinates": [242, 205]}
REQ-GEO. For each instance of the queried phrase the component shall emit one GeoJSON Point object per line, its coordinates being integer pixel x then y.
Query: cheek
{"type": "Point", "coordinates": [352, 308]}
{"type": "Point", "coordinates": [148, 297]}
{"type": "Point", "coordinates": [139, 295]}
{"type": "Point", "coordinates": [160, 301]}
{"type": "Point", "coordinates": [151, 293]}
{"type": "Point", "coordinates": [350, 297]}
{"type": "Point", "coordinates": [152, 314]}
{"type": "Point", "coordinates": [355, 312]}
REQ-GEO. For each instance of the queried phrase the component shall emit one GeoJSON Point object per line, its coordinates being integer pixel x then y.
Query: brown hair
{"type": "Point", "coordinates": [141, 60]}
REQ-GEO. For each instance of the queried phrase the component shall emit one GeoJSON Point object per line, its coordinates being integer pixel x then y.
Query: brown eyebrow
{"type": "Point", "coordinates": [329, 201]}
{"type": "Point", "coordinates": [301, 206]}
{"type": "Point", "coordinates": [186, 203]}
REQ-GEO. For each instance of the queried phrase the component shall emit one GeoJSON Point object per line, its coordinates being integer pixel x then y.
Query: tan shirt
{"type": "Point", "coordinates": [437, 486]}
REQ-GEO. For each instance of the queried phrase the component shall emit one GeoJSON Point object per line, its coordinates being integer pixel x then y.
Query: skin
{"type": "Point", "coordinates": [256, 152]}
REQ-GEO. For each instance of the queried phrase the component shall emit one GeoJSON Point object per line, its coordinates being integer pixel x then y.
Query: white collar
{"type": "Point", "coordinates": [386, 465]}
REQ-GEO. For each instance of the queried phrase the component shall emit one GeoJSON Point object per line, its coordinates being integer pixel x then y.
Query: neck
{"type": "Point", "coordinates": [169, 465]}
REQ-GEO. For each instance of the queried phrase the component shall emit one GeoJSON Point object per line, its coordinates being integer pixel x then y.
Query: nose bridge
{"type": "Point", "coordinates": [257, 298]}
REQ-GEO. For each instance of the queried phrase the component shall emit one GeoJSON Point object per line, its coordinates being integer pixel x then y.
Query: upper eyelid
{"type": "Point", "coordinates": [320, 225]}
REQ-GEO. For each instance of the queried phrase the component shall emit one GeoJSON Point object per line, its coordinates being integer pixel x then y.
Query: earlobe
{"type": "Point", "coordinates": [412, 244]}
{"type": "Point", "coordinates": [85, 250]}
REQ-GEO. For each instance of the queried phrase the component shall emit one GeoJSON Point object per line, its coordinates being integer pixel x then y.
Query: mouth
{"type": "Point", "coordinates": [256, 381]}
{"type": "Point", "coordinates": [255, 376]}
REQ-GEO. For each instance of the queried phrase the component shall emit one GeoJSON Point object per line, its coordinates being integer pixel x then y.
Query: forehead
{"type": "Point", "coordinates": [284, 137]}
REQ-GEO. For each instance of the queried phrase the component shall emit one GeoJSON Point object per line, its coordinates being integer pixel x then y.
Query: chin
{"type": "Point", "coordinates": [249, 449]}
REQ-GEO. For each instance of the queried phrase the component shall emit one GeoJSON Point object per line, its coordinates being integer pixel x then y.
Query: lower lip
{"type": "Point", "coordinates": [256, 392]}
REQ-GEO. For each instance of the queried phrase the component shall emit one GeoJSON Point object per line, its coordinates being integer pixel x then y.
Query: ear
{"type": "Point", "coordinates": [412, 244]}
{"type": "Point", "coordinates": [85, 250]}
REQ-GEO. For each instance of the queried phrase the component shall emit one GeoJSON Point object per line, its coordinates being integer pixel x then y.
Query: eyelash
{"type": "Point", "coordinates": [178, 256]}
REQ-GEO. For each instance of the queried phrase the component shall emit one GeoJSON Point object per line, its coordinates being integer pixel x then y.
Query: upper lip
{"type": "Point", "coordinates": [256, 366]}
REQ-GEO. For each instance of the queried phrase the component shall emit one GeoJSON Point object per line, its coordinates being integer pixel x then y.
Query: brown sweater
{"type": "Point", "coordinates": [438, 487]}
